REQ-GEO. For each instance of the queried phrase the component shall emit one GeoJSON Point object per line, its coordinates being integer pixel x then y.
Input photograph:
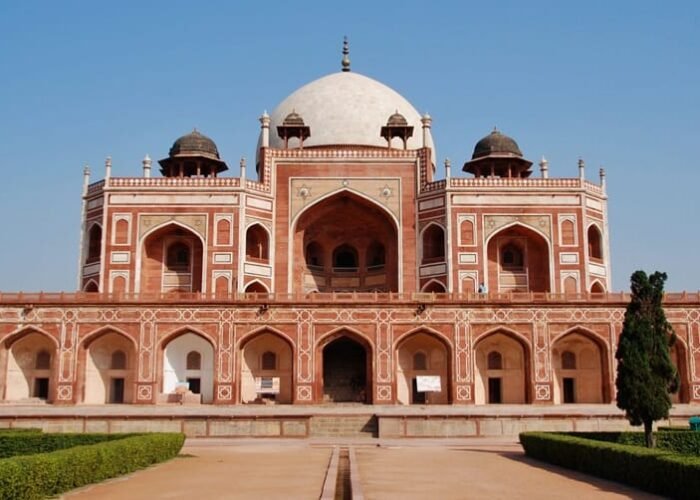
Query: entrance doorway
{"type": "Point", "coordinates": [569, 390]}
{"type": "Point", "coordinates": [41, 388]}
{"type": "Point", "coordinates": [345, 372]}
{"type": "Point", "coordinates": [117, 391]}
{"type": "Point", "coordinates": [417, 398]}
{"type": "Point", "coordinates": [495, 390]}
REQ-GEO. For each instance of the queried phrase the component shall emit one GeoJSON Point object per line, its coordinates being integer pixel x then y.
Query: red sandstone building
{"type": "Point", "coordinates": [336, 268]}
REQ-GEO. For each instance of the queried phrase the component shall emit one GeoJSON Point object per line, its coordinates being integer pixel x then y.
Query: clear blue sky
{"type": "Point", "coordinates": [616, 82]}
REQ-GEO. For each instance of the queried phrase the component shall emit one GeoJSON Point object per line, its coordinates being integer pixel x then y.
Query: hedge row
{"type": "Point", "coordinates": [48, 474]}
{"type": "Point", "coordinates": [654, 470]}
{"type": "Point", "coordinates": [686, 443]}
{"type": "Point", "coordinates": [28, 443]}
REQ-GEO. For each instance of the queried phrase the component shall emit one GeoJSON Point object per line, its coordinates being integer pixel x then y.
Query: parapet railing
{"type": "Point", "coordinates": [38, 298]}
{"type": "Point", "coordinates": [516, 182]}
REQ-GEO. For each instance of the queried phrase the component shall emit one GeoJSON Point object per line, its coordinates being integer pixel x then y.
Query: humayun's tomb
{"type": "Point", "coordinates": [335, 268]}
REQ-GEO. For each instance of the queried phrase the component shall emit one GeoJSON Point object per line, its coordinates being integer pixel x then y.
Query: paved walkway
{"type": "Point", "coordinates": [396, 469]}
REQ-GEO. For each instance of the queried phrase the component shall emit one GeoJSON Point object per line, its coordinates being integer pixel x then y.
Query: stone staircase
{"type": "Point", "coordinates": [344, 426]}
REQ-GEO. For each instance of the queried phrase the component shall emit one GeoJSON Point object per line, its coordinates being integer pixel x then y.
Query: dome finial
{"type": "Point", "coordinates": [346, 55]}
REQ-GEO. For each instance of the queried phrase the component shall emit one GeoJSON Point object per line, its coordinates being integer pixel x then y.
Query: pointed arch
{"type": "Point", "coordinates": [512, 382]}
{"type": "Point", "coordinates": [178, 332]}
{"type": "Point", "coordinates": [604, 356]}
{"type": "Point", "coordinates": [93, 335]}
{"type": "Point", "coordinates": [597, 287]}
{"type": "Point", "coordinates": [91, 286]}
{"type": "Point", "coordinates": [428, 331]}
{"type": "Point", "coordinates": [94, 243]}
{"type": "Point", "coordinates": [248, 336]}
{"type": "Point", "coordinates": [346, 331]}
{"type": "Point", "coordinates": [22, 332]}
{"type": "Point", "coordinates": [350, 191]}
{"type": "Point", "coordinates": [594, 236]}
{"type": "Point", "coordinates": [252, 351]}
{"type": "Point", "coordinates": [256, 286]}
{"type": "Point", "coordinates": [258, 241]}
{"type": "Point", "coordinates": [432, 286]}
{"type": "Point", "coordinates": [433, 242]}
{"type": "Point", "coordinates": [515, 335]}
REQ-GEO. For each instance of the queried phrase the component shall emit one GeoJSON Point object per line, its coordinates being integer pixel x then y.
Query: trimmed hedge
{"type": "Point", "coordinates": [48, 474]}
{"type": "Point", "coordinates": [654, 470]}
{"type": "Point", "coordinates": [28, 443]}
{"type": "Point", "coordinates": [687, 443]}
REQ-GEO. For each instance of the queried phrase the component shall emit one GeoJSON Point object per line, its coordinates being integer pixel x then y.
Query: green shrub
{"type": "Point", "coordinates": [655, 470]}
{"type": "Point", "coordinates": [28, 443]}
{"type": "Point", "coordinates": [48, 474]}
{"type": "Point", "coordinates": [687, 443]}
{"type": "Point", "coordinates": [20, 430]}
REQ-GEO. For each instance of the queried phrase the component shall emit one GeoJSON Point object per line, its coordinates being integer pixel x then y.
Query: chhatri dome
{"type": "Point", "coordinates": [346, 108]}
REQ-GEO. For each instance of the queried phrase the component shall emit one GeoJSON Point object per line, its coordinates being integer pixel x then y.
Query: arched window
{"type": "Point", "coordinates": [256, 243]}
{"type": "Point", "coordinates": [376, 255]}
{"type": "Point", "coordinates": [494, 361]}
{"type": "Point", "coordinates": [420, 361]}
{"type": "Point", "coordinates": [91, 287]}
{"type": "Point", "coordinates": [269, 360]}
{"type": "Point", "coordinates": [118, 361]}
{"type": "Point", "coordinates": [595, 243]}
{"type": "Point", "coordinates": [512, 257]}
{"type": "Point", "coordinates": [194, 360]}
{"type": "Point", "coordinates": [567, 233]}
{"type": "Point", "coordinates": [43, 360]}
{"type": "Point", "coordinates": [121, 232]}
{"type": "Point", "coordinates": [94, 243]}
{"type": "Point", "coordinates": [433, 244]}
{"type": "Point", "coordinates": [314, 254]}
{"type": "Point", "coordinates": [178, 257]}
{"type": "Point", "coordinates": [597, 288]}
{"type": "Point", "coordinates": [568, 360]}
{"type": "Point", "coordinates": [434, 287]}
{"type": "Point", "coordinates": [223, 232]}
{"type": "Point", "coordinates": [345, 258]}
{"type": "Point", "coordinates": [255, 287]}
{"type": "Point", "coordinates": [466, 232]}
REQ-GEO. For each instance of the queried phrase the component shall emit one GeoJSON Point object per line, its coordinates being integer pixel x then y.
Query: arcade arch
{"type": "Point", "coordinates": [172, 260]}
{"type": "Point", "coordinates": [108, 368]}
{"type": "Point", "coordinates": [30, 366]}
{"type": "Point", "coordinates": [178, 370]}
{"type": "Point", "coordinates": [580, 369]}
{"type": "Point", "coordinates": [266, 364]}
{"type": "Point", "coordinates": [422, 354]}
{"type": "Point", "coordinates": [518, 260]}
{"type": "Point", "coordinates": [345, 364]}
{"type": "Point", "coordinates": [502, 369]}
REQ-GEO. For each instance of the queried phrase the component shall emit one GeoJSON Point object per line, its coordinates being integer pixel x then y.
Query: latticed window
{"type": "Point", "coordinates": [568, 360]}
{"type": "Point", "coordinates": [269, 361]}
{"type": "Point", "coordinates": [194, 360]}
{"type": "Point", "coordinates": [43, 360]}
{"type": "Point", "coordinates": [118, 360]}
{"type": "Point", "coordinates": [494, 361]}
{"type": "Point", "coordinates": [420, 361]}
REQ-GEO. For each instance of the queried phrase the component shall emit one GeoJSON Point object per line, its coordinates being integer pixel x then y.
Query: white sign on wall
{"type": "Point", "coordinates": [267, 385]}
{"type": "Point", "coordinates": [428, 383]}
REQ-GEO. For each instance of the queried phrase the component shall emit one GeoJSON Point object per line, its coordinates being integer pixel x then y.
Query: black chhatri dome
{"type": "Point", "coordinates": [194, 144]}
{"type": "Point", "coordinates": [497, 144]}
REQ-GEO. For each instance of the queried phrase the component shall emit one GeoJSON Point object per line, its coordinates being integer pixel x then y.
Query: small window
{"type": "Point", "coordinates": [568, 360]}
{"type": "Point", "coordinates": [512, 257]}
{"type": "Point", "coordinates": [420, 361]}
{"type": "Point", "coordinates": [178, 257]}
{"type": "Point", "coordinates": [269, 361]}
{"type": "Point", "coordinates": [595, 243]}
{"type": "Point", "coordinates": [118, 360]}
{"type": "Point", "coordinates": [194, 361]}
{"type": "Point", "coordinates": [43, 360]}
{"type": "Point", "coordinates": [345, 257]}
{"type": "Point", "coordinates": [495, 361]}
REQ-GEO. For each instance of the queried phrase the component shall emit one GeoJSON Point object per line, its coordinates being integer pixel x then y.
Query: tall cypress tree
{"type": "Point", "coordinates": [645, 373]}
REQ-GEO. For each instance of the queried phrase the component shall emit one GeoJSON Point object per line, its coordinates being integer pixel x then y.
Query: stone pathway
{"type": "Point", "coordinates": [388, 469]}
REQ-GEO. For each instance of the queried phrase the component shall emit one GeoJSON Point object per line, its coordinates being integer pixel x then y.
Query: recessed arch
{"type": "Point", "coordinates": [594, 235]}
{"type": "Point", "coordinates": [437, 352]}
{"type": "Point", "coordinates": [345, 367]}
{"type": "Point", "coordinates": [257, 379]}
{"type": "Point", "coordinates": [91, 286]}
{"type": "Point", "coordinates": [434, 286]}
{"type": "Point", "coordinates": [536, 274]}
{"type": "Point", "coordinates": [256, 286]}
{"type": "Point", "coordinates": [511, 382]}
{"type": "Point", "coordinates": [30, 364]}
{"type": "Point", "coordinates": [178, 380]}
{"type": "Point", "coordinates": [433, 242]}
{"type": "Point", "coordinates": [588, 379]}
{"type": "Point", "coordinates": [597, 287]}
{"type": "Point", "coordinates": [100, 380]}
{"type": "Point", "coordinates": [258, 241]}
{"type": "Point", "coordinates": [22, 332]}
{"type": "Point", "coordinates": [174, 334]}
{"type": "Point", "coordinates": [93, 335]}
{"type": "Point", "coordinates": [94, 242]}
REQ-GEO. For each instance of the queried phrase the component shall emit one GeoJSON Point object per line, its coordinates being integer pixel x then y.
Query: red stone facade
{"type": "Point", "coordinates": [344, 272]}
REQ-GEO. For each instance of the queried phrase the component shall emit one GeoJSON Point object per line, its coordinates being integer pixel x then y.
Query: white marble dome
{"type": "Point", "coordinates": [347, 108]}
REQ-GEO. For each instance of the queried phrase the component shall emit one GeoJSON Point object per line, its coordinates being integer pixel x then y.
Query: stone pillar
{"type": "Point", "coordinates": [265, 128]}
{"type": "Point", "coordinates": [581, 169]}
{"type": "Point", "coordinates": [427, 122]}
{"type": "Point", "coordinates": [602, 179]}
{"type": "Point", "coordinates": [544, 168]}
{"type": "Point", "coordinates": [243, 174]}
{"type": "Point", "coordinates": [448, 166]}
{"type": "Point", "coordinates": [146, 162]}
{"type": "Point", "coordinates": [108, 168]}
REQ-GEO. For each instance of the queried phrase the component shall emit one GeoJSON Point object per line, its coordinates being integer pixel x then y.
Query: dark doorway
{"type": "Point", "coordinates": [417, 398]}
{"type": "Point", "coordinates": [495, 390]}
{"type": "Point", "coordinates": [344, 371]}
{"type": "Point", "coordinates": [569, 390]}
{"type": "Point", "coordinates": [116, 393]}
{"type": "Point", "coordinates": [195, 384]}
{"type": "Point", "coordinates": [41, 388]}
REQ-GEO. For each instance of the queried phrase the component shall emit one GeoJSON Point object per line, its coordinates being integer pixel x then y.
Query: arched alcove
{"type": "Point", "coordinates": [422, 354]}
{"type": "Point", "coordinates": [176, 354]}
{"type": "Point", "coordinates": [580, 369]}
{"type": "Point", "coordinates": [266, 361]}
{"type": "Point", "coordinates": [502, 369]}
{"type": "Point", "coordinates": [518, 260]}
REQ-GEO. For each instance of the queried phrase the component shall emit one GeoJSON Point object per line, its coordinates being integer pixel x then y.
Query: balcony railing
{"type": "Point", "coordinates": [28, 300]}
